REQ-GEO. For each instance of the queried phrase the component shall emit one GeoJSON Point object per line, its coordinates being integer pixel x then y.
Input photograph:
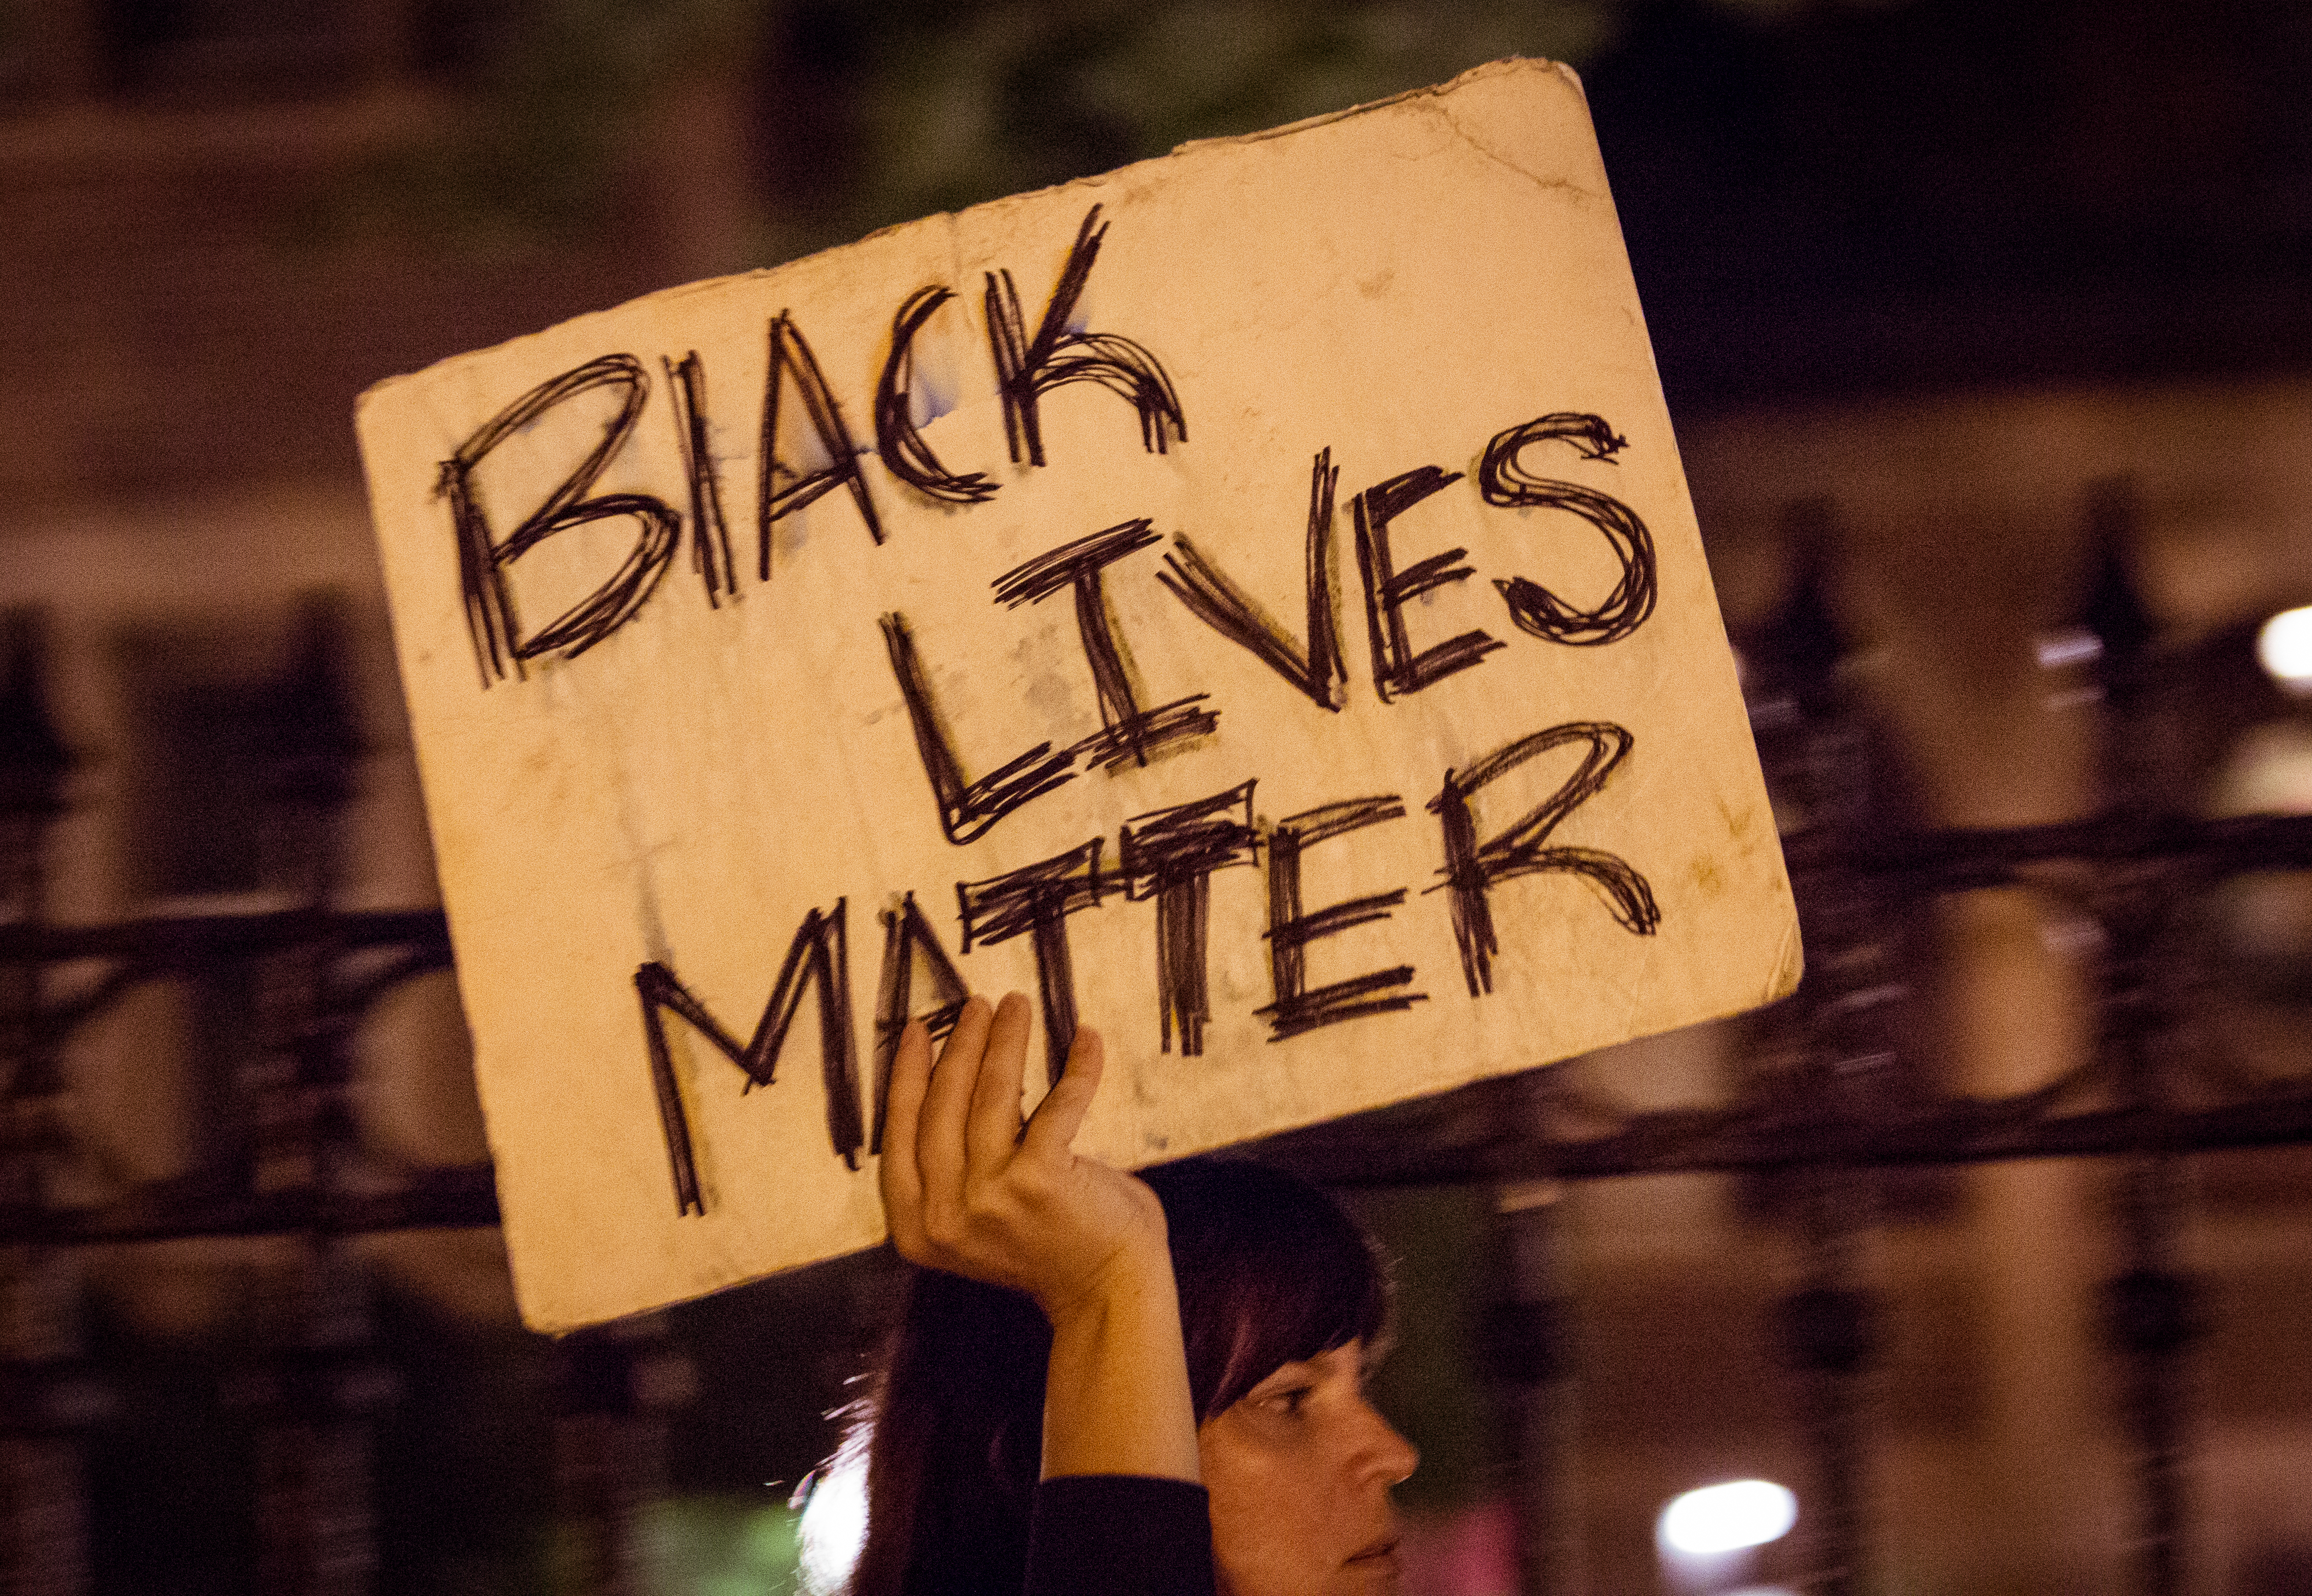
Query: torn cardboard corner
{"type": "Point", "coordinates": [1249, 599]}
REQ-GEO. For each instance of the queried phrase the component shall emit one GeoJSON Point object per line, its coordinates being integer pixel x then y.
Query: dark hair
{"type": "Point", "coordinates": [1270, 1271]}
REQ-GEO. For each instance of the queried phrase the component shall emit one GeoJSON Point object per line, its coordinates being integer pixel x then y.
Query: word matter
{"type": "Point", "coordinates": [1169, 857]}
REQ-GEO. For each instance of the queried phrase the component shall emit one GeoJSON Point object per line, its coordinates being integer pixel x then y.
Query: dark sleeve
{"type": "Point", "coordinates": [1120, 1535]}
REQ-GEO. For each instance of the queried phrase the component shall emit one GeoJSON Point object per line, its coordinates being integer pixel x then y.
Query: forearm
{"type": "Point", "coordinates": [1115, 1394]}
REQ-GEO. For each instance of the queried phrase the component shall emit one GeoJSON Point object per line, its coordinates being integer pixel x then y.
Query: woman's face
{"type": "Point", "coordinates": [1298, 1472]}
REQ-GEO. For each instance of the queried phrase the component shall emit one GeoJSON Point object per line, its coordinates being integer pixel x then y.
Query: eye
{"type": "Point", "coordinates": [1288, 1401]}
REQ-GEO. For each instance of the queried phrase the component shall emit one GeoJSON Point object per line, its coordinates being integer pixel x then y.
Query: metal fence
{"type": "Point", "coordinates": [1839, 1103]}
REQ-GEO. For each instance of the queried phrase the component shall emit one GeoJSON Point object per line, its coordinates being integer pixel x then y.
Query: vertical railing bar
{"type": "Point", "coordinates": [1846, 1070]}
{"type": "Point", "coordinates": [2156, 1381]}
{"type": "Point", "coordinates": [1827, 1333]}
{"type": "Point", "coordinates": [1529, 1358]}
{"type": "Point", "coordinates": [55, 1401]}
{"type": "Point", "coordinates": [2149, 1317]}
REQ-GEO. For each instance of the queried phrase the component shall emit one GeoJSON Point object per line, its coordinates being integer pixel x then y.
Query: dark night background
{"type": "Point", "coordinates": [221, 219]}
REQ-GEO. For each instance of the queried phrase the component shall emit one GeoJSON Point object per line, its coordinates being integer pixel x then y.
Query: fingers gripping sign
{"type": "Point", "coordinates": [969, 1188]}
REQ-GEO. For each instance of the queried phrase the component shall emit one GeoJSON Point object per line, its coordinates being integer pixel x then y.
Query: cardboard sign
{"type": "Point", "coordinates": [1249, 600]}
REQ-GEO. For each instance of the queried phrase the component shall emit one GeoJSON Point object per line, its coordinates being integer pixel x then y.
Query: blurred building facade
{"type": "Point", "coordinates": [1955, 307]}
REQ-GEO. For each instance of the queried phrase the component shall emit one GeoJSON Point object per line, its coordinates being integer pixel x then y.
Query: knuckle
{"type": "Point", "coordinates": [944, 1228]}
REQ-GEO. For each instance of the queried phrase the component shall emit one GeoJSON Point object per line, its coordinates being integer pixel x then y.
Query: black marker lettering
{"type": "Point", "coordinates": [1127, 731]}
{"type": "Point", "coordinates": [1037, 901]}
{"type": "Point", "coordinates": [1027, 368]}
{"type": "Point", "coordinates": [710, 539]}
{"type": "Point", "coordinates": [482, 560]}
{"type": "Point", "coordinates": [1535, 609]}
{"type": "Point", "coordinates": [967, 809]}
{"type": "Point", "coordinates": [1170, 855]}
{"type": "Point", "coordinates": [819, 953]}
{"type": "Point", "coordinates": [782, 489]}
{"type": "Point", "coordinates": [904, 453]}
{"type": "Point", "coordinates": [1397, 670]}
{"type": "Point", "coordinates": [1471, 867]}
{"type": "Point", "coordinates": [907, 936]}
{"type": "Point", "coordinates": [1214, 600]}
{"type": "Point", "coordinates": [1289, 931]}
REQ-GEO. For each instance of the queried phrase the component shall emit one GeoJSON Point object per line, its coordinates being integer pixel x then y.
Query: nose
{"type": "Point", "coordinates": [1390, 1457]}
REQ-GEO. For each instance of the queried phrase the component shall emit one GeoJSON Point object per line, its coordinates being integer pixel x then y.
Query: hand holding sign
{"type": "Point", "coordinates": [1250, 596]}
{"type": "Point", "coordinates": [969, 1190]}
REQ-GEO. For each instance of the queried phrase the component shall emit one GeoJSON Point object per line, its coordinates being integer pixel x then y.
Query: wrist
{"type": "Point", "coordinates": [1135, 1279]}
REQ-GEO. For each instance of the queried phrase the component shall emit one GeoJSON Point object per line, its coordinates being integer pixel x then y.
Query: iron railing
{"type": "Point", "coordinates": [1838, 1100]}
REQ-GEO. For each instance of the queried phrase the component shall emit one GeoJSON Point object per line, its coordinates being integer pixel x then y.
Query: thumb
{"type": "Point", "coordinates": [1052, 1129]}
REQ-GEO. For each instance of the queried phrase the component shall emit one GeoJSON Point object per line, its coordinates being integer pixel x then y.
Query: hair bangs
{"type": "Point", "coordinates": [1270, 1271]}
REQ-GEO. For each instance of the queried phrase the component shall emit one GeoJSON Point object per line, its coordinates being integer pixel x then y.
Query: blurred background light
{"type": "Point", "coordinates": [2284, 647]}
{"type": "Point", "coordinates": [1727, 1518]}
{"type": "Point", "coordinates": [2268, 771]}
{"type": "Point", "coordinates": [2073, 645]}
{"type": "Point", "coordinates": [834, 1524]}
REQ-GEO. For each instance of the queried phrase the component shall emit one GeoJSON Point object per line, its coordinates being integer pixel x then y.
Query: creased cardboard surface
{"type": "Point", "coordinates": [1402, 287]}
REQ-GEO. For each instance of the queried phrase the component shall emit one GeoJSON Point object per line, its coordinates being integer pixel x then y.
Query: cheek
{"type": "Point", "coordinates": [1269, 1520]}
{"type": "Point", "coordinates": [1236, 1480]}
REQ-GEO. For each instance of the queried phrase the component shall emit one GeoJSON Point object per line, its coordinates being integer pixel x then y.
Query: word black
{"type": "Point", "coordinates": [1028, 366]}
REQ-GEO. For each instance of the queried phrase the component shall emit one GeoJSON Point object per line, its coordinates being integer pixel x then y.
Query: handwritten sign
{"type": "Point", "coordinates": [1249, 600]}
